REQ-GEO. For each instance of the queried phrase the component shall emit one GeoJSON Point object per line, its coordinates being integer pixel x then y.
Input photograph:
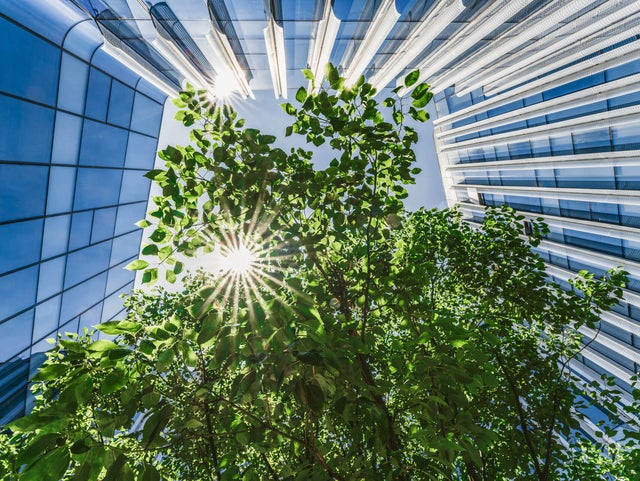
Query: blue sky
{"type": "Point", "coordinates": [264, 113]}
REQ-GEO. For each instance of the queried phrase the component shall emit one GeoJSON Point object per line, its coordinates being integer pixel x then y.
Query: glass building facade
{"type": "Point", "coordinates": [78, 131]}
{"type": "Point", "coordinates": [542, 115]}
{"type": "Point", "coordinates": [537, 103]}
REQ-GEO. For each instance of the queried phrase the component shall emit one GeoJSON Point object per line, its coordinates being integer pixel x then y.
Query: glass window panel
{"type": "Point", "coordinates": [97, 188]}
{"type": "Point", "coordinates": [82, 297]}
{"type": "Point", "coordinates": [518, 177]}
{"type": "Point", "coordinates": [550, 206]}
{"type": "Point", "coordinates": [114, 304]}
{"type": "Point", "coordinates": [135, 187]}
{"type": "Point", "coordinates": [628, 177]}
{"type": "Point", "coordinates": [604, 212]}
{"type": "Point", "coordinates": [502, 152]}
{"type": "Point", "coordinates": [596, 242]}
{"type": "Point", "coordinates": [527, 204]}
{"type": "Point", "coordinates": [61, 183]}
{"type": "Point", "coordinates": [592, 141]}
{"type": "Point", "coordinates": [509, 127]}
{"type": "Point", "coordinates": [557, 260]}
{"type": "Point", "coordinates": [141, 151]}
{"type": "Point", "coordinates": [80, 230]}
{"type": "Point", "coordinates": [623, 70]}
{"type": "Point", "coordinates": [20, 244]}
{"type": "Point", "coordinates": [517, 104]}
{"type": "Point", "coordinates": [631, 249]}
{"type": "Point", "coordinates": [540, 147]}
{"type": "Point", "coordinates": [128, 215]}
{"type": "Point", "coordinates": [56, 235]}
{"type": "Point", "coordinates": [625, 137]}
{"type": "Point", "coordinates": [624, 101]}
{"type": "Point", "coordinates": [18, 291]}
{"type": "Point", "coordinates": [630, 215]}
{"type": "Point", "coordinates": [476, 155]}
{"type": "Point", "coordinates": [535, 121]}
{"type": "Point", "coordinates": [616, 332]}
{"type": "Point", "coordinates": [119, 277]}
{"type": "Point", "coordinates": [592, 178]}
{"type": "Point", "coordinates": [519, 150]}
{"type": "Point", "coordinates": [16, 335]}
{"type": "Point", "coordinates": [86, 263]}
{"type": "Point", "coordinates": [561, 144]}
{"type": "Point", "coordinates": [29, 57]}
{"type": "Point", "coordinates": [70, 326]}
{"type": "Point", "coordinates": [98, 95]}
{"type": "Point", "coordinates": [103, 224]}
{"type": "Point", "coordinates": [22, 191]}
{"type": "Point", "coordinates": [125, 247]}
{"type": "Point", "coordinates": [575, 112]}
{"type": "Point", "coordinates": [73, 84]}
{"type": "Point", "coordinates": [51, 277]}
{"type": "Point", "coordinates": [46, 320]}
{"type": "Point", "coordinates": [575, 209]}
{"type": "Point", "coordinates": [66, 140]}
{"type": "Point", "coordinates": [546, 178]}
{"type": "Point", "coordinates": [84, 38]}
{"type": "Point", "coordinates": [120, 104]}
{"type": "Point", "coordinates": [494, 177]}
{"type": "Point", "coordinates": [147, 115]}
{"type": "Point", "coordinates": [102, 145]}
{"type": "Point", "coordinates": [18, 122]}
{"type": "Point", "coordinates": [574, 86]}
{"type": "Point", "coordinates": [91, 318]}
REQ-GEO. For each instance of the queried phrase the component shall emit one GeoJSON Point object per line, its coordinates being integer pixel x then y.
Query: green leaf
{"type": "Point", "coordinates": [150, 276]}
{"type": "Point", "coordinates": [114, 381]}
{"type": "Point", "coordinates": [113, 328]}
{"type": "Point", "coordinates": [143, 223]}
{"type": "Point", "coordinates": [411, 78]}
{"type": "Point", "coordinates": [137, 265]}
{"type": "Point", "coordinates": [150, 473]}
{"type": "Point", "coordinates": [301, 94]}
{"type": "Point", "coordinates": [171, 276]}
{"type": "Point", "coordinates": [308, 74]}
{"type": "Point", "coordinates": [165, 360]}
{"type": "Point", "coordinates": [208, 328]}
{"type": "Point", "coordinates": [150, 250]}
{"type": "Point", "coordinates": [102, 345]}
{"type": "Point", "coordinates": [155, 424]}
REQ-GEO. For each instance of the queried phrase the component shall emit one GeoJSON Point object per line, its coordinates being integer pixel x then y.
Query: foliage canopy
{"type": "Point", "coordinates": [365, 342]}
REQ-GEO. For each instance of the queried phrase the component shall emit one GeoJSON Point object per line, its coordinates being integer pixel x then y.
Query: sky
{"type": "Point", "coordinates": [265, 113]}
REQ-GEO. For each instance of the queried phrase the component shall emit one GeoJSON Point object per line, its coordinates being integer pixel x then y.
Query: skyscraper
{"type": "Point", "coordinates": [536, 102]}
{"type": "Point", "coordinates": [78, 131]}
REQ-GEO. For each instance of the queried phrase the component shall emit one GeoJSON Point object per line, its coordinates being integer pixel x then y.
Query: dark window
{"type": "Point", "coordinates": [19, 123]}
{"type": "Point", "coordinates": [86, 263]}
{"type": "Point", "coordinates": [20, 287]}
{"type": "Point", "coordinates": [97, 188]}
{"type": "Point", "coordinates": [120, 104]}
{"type": "Point", "coordinates": [22, 191]}
{"type": "Point", "coordinates": [20, 244]}
{"type": "Point", "coordinates": [103, 145]}
{"type": "Point", "coordinates": [25, 56]}
{"type": "Point", "coordinates": [98, 95]}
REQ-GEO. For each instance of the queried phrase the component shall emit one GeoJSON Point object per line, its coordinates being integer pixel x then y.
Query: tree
{"type": "Point", "coordinates": [333, 334]}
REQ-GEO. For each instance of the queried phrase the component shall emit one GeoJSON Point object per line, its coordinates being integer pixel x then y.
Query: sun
{"type": "Point", "coordinates": [239, 260]}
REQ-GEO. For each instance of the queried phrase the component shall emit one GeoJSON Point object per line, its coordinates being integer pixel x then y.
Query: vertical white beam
{"type": "Point", "coordinates": [274, 39]}
{"type": "Point", "coordinates": [430, 27]}
{"type": "Point", "coordinates": [479, 27]}
{"type": "Point", "coordinates": [381, 25]}
{"type": "Point", "coordinates": [322, 43]}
